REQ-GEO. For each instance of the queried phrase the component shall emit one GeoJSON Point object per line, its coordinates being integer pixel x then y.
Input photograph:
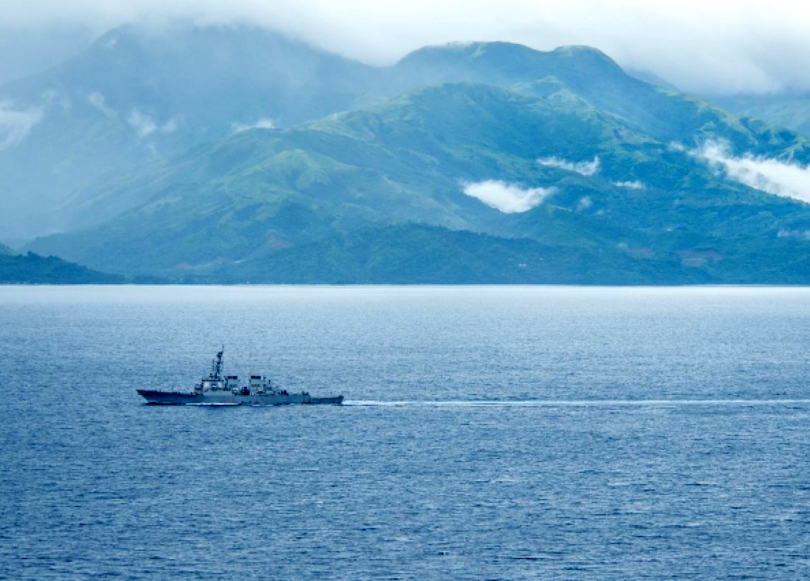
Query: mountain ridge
{"type": "Point", "coordinates": [561, 148]}
{"type": "Point", "coordinates": [32, 268]}
{"type": "Point", "coordinates": [137, 96]}
{"type": "Point", "coordinates": [407, 160]}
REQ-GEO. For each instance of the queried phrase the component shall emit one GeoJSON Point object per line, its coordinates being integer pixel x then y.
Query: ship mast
{"type": "Point", "coordinates": [216, 365]}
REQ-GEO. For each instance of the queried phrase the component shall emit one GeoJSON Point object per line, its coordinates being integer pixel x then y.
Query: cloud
{"type": "Point", "coordinates": [586, 168]}
{"type": "Point", "coordinates": [799, 234]}
{"type": "Point", "coordinates": [262, 123]}
{"type": "Point", "coordinates": [145, 126]}
{"type": "Point", "coordinates": [508, 198]}
{"type": "Point", "coordinates": [99, 101]}
{"type": "Point", "coordinates": [170, 126]}
{"type": "Point", "coordinates": [770, 175]}
{"type": "Point", "coordinates": [15, 125]}
{"type": "Point", "coordinates": [723, 46]}
{"type": "Point", "coordinates": [634, 185]}
{"type": "Point", "coordinates": [28, 49]}
{"type": "Point", "coordinates": [52, 98]}
{"type": "Point", "coordinates": [142, 123]}
{"type": "Point", "coordinates": [584, 203]}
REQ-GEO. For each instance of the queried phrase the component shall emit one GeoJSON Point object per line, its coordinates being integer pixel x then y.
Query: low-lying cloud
{"type": "Point", "coordinates": [719, 47]}
{"type": "Point", "coordinates": [586, 168]}
{"type": "Point", "coordinates": [798, 234]}
{"type": "Point", "coordinates": [633, 185]}
{"type": "Point", "coordinates": [770, 175]}
{"type": "Point", "coordinates": [262, 123]}
{"type": "Point", "coordinates": [508, 198]}
{"type": "Point", "coordinates": [16, 124]}
{"type": "Point", "coordinates": [99, 101]}
{"type": "Point", "coordinates": [144, 125]}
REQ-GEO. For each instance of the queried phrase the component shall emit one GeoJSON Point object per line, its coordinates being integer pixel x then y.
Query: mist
{"type": "Point", "coordinates": [27, 48]}
{"type": "Point", "coordinates": [585, 168]}
{"type": "Point", "coordinates": [508, 198]}
{"type": "Point", "coordinates": [262, 123]}
{"type": "Point", "coordinates": [631, 185]}
{"type": "Point", "coordinates": [773, 176]}
{"type": "Point", "coordinates": [16, 124]}
{"type": "Point", "coordinates": [713, 48]}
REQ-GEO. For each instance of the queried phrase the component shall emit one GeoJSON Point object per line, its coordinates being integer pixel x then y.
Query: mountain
{"type": "Point", "coordinates": [138, 95]}
{"type": "Point", "coordinates": [790, 109]}
{"type": "Point", "coordinates": [611, 190]}
{"type": "Point", "coordinates": [587, 73]}
{"type": "Point", "coordinates": [419, 254]}
{"type": "Point", "coordinates": [559, 154]}
{"type": "Point", "coordinates": [650, 77]}
{"type": "Point", "coordinates": [381, 164]}
{"type": "Point", "coordinates": [34, 269]}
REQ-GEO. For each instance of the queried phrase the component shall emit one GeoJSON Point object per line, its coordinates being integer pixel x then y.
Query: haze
{"type": "Point", "coordinates": [714, 48]}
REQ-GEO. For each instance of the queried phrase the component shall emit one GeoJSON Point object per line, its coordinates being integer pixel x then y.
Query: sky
{"type": "Point", "coordinates": [709, 47]}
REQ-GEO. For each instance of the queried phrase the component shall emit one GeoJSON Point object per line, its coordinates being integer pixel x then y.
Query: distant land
{"type": "Point", "coordinates": [236, 155]}
{"type": "Point", "coordinates": [790, 109]}
{"type": "Point", "coordinates": [34, 269]}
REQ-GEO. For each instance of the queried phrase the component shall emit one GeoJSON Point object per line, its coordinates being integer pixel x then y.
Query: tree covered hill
{"type": "Point", "coordinates": [31, 268]}
{"type": "Point", "coordinates": [412, 159]}
{"type": "Point", "coordinates": [139, 96]}
{"type": "Point", "coordinates": [196, 151]}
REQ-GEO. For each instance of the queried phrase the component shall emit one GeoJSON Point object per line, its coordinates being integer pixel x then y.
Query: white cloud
{"type": "Point", "coordinates": [15, 125]}
{"type": "Point", "coordinates": [508, 198]}
{"type": "Point", "coordinates": [54, 98]}
{"type": "Point", "coordinates": [170, 126]}
{"type": "Point", "coordinates": [800, 234]}
{"type": "Point", "coordinates": [586, 168]}
{"type": "Point", "coordinates": [262, 123]}
{"type": "Point", "coordinates": [99, 101]}
{"type": "Point", "coordinates": [770, 175]}
{"type": "Point", "coordinates": [584, 203]}
{"type": "Point", "coordinates": [634, 185]}
{"type": "Point", "coordinates": [142, 123]}
{"type": "Point", "coordinates": [717, 46]}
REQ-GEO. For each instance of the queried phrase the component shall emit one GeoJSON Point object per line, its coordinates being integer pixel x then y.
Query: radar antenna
{"type": "Point", "coordinates": [216, 365]}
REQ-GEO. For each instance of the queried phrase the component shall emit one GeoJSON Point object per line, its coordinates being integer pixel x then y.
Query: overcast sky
{"type": "Point", "coordinates": [708, 46]}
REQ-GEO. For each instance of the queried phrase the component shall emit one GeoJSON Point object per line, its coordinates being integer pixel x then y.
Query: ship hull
{"type": "Point", "coordinates": [230, 399]}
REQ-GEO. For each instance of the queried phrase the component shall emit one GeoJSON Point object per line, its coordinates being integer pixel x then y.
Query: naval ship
{"type": "Point", "coordinates": [220, 389]}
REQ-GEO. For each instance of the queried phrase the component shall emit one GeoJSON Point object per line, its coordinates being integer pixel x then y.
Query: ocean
{"type": "Point", "coordinates": [487, 433]}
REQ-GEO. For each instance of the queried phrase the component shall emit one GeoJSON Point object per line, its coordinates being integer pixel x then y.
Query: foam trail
{"type": "Point", "coordinates": [579, 403]}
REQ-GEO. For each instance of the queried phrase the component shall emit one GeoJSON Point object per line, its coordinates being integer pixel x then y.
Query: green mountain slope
{"type": "Point", "coordinates": [34, 269]}
{"type": "Point", "coordinates": [140, 96]}
{"type": "Point", "coordinates": [403, 161]}
{"type": "Point", "coordinates": [663, 114]}
{"type": "Point", "coordinates": [788, 109]}
{"type": "Point", "coordinates": [408, 160]}
{"type": "Point", "coordinates": [418, 254]}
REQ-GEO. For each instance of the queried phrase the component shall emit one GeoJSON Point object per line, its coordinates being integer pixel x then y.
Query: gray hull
{"type": "Point", "coordinates": [225, 398]}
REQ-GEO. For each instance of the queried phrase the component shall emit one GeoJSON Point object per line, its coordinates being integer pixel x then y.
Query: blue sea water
{"type": "Point", "coordinates": [489, 433]}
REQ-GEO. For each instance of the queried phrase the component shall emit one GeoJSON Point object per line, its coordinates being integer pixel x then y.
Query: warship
{"type": "Point", "coordinates": [221, 389]}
